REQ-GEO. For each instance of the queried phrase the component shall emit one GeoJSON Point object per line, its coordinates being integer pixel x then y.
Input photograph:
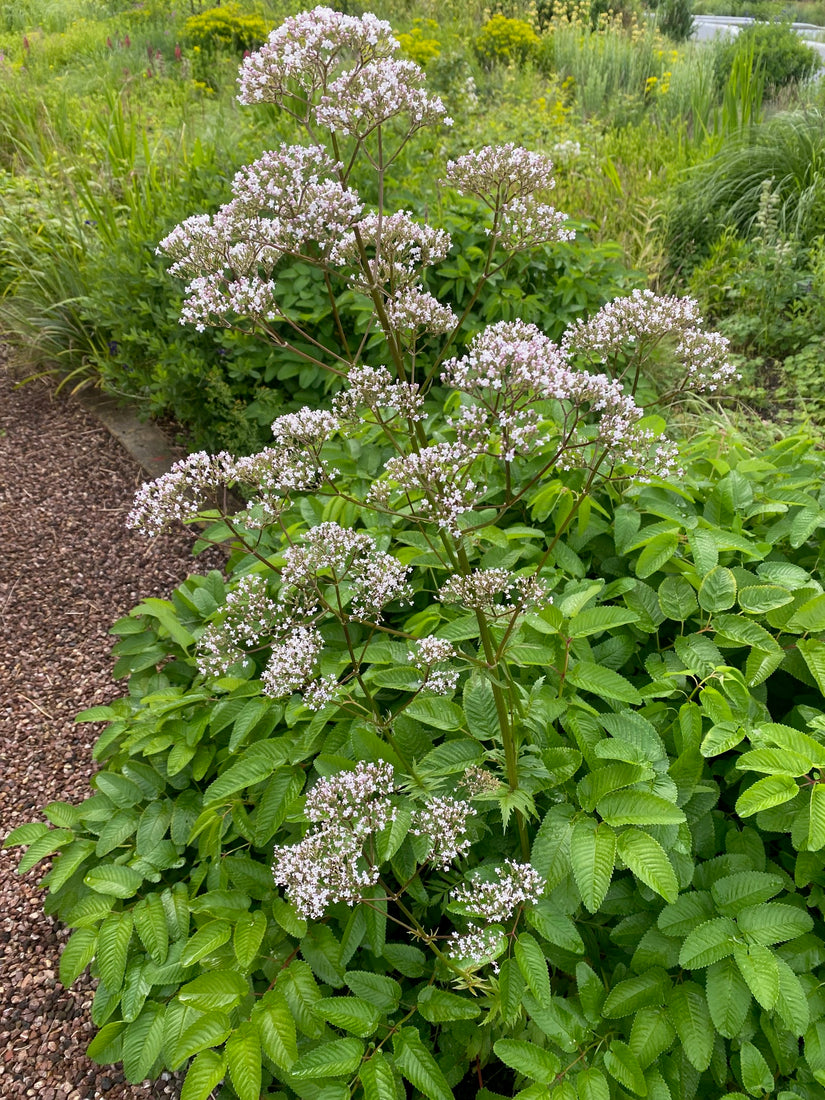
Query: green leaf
{"type": "Point", "coordinates": [758, 598]}
{"type": "Point", "coordinates": [511, 988]}
{"type": "Point", "coordinates": [338, 1058]}
{"type": "Point", "coordinates": [107, 1045]}
{"type": "Point", "coordinates": [773, 790]}
{"type": "Point", "coordinates": [813, 653]}
{"type": "Point", "coordinates": [243, 1060]}
{"type": "Point", "coordinates": [480, 708]}
{"type": "Point", "coordinates": [276, 1029]}
{"type": "Point", "coordinates": [708, 943]}
{"type": "Point", "coordinates": [601, 681]}
{"type": "Point", "coordinates": [633, 993]}
{"type": "Point", "coordinates": [273, 805]}
{"type": "Point", "coordinates": [451, 756]}
{"type": "Point", "coordinates": [648, 861]}
{"type": "Point", "coordinates": [533, 966]}
{"type": "Point", "coordinates": [677, 598]}
{"type": "Point", "coordinates": [592, 857]}
{"type": "Point", "coordinates": [756, 1073]}
{"type": "Point", "coordinates": [744, 631]}
{"type": "Point", "coordinates": [816, 826]}
{"type": "Point", "coordinates": [623, 1066]}
{"type": "Point", "coordinates": [658, 551]}
{"type": "Point", "coordinates": [248, 936]}
{"type": "Point", "coordinates": [164, 612]}
{"type": "Point", "coordinates": [143, 1043]}
{"type": "Point", "coordinates": [77, 954]}
{"type": "Point", "coordinates": [611, 777]}
{"type": "Point", "coordinates": [151, 927]}
{"type": "Point", "coordinates": [216, 989]}
{"type": "Point", "coordinates": [377, 1078]}
{"type": "Point", "coordinates": [114, 880]}
{"type": "Point", "coordinates": [555, 927]}
{"type": "Point", "coordinates": [349, 1013]}
{"type": "Point", "coordinates": [592, 1084]}
{"type": "Point", "coordinates": [257, 763]}
{"type": "Point", "coordinates": [773, 922]}
{"type": "Point", "coordinates": [792, 1003]}
{"type": "Point", "coordinates": [758, 966]}
{"type": "Point", "coordinates": [728, 997]}
{"type": "Point", "coordinates": [550, 854]}
{"type": "Point", "coordinates": [207, 939]}
{"type": "Point", "coordinates": [417, 1064]}
{"type": "Point", "coordinates": [206, 1071]}
{"type": "Point", "coordinates": [688, 1012]}
{"type": "Point", "coordinates": [27, 834]}
{"type": "Point", "coordinates": [718, 590]}
{"type": "Point", "coordinates": [684, 914]}
{"type": "Point", "coordinates": [379, 990]}
{"type": "Point", "coordinates": [774, 762]}
{"type": "Point", "coordinates": [651, 1034]}
{"type": "Point", "coordinates": [441, 714]}
{"type": "Point", "coordinates": [736, 892]}
{"type": "Point", "coordinates": [208, 1030]}
{"type": "Point", "coordinates": [437, 1006]}
{"type": "Point", "coordinates": [638, 808]}
{"type": "Point", "coordinates": [112, 948]}
{"type": "Point", "coordinates": [528, 1059]}
{"type": "Point", "coordinates": [597, 620]}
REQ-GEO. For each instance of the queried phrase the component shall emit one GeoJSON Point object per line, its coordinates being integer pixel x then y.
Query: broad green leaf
{"type": "Point", "coordinates": [718, 590]}
{"type": "Point", "coordinates": [451, 757]}
{"type": "Point", "coordinates": [243, 1060]}
{"type": "Point", "coordinates": [813, 653]}
{"type": "Point", "coordinates": [786, 737]}
{"type": "Point", "coordinates": [143, 1043]}
{"type": "Point", "coordinates": [774, 762]}
{"type": "Point", "coordinates": [810, 617]}
{"type": "Point", "coordinates": [591, 989]}
{"type": "Point", "coordinates": [437, 1006]}
{"type": "Point", "coordinates": [758, 598]}
{"type": "Point", "coordinates": [759, 968]}
{"type": "Point", "coordinates": [417, 1064]}
{"type": "Point", "coordinates": [207, 1030]}
{"type": "Point", "coordinates": [338, 1058]}
{"type": "Point", "coordinates": [379, 990]}
{"type": "Point", "coordinates": [677, 598]}
{"type": "Point", "coordinates": [756, 1073]}
{"type": "Point", "coordinates": [533, 966]}
{"type": "Point", "coordinates": [377, 1078]}
{"type": "Point", "coordinates": [114, 879]}
{"type": "Point", "coordinates": [322, 951]}
{"type": "Point", "coordinates": [708, 943]}
{"type": "Point", "coordinates": [688, 1012]}
{"type": "Point", "coordinates": [272, 807]}
{"type": "Point", "coordinates": [773, 790]}
{"type": "Point", "coordinates": [792, 1004]}
{"type": "Point", "coordinates": [816, 826]}
{"type": "Point", "coordinates": [658, 551]}
{"type": "Point", "coordinates": [773, 922]}
{"type": "Point", "coordinates": [528, 1059]}
{"type": "Point", "coordinates": [276, 1029]}
{"type": "Point", "coordinates": [554, 926]}
{"type": "Point", "coordinates": [248, 936]}
{"type": "Point", "coordinates": [592, 858]}
{"type": "Point", "coordinates": [550, 854]}
{"type": "Point", "coordinates": [592, 1084]}
{"type": "Point", "coordinates": [349, 1013]}
{"type": "Point", "coordinates": [638, 808]}
{"type": "Point", "coordinates": [728, 997]}
{"type": "Point", "coordinates": [207, 939]}
{"type": "Point", "coordinates": [216, 989]}
{"type": "Point", "coordinates": [77, 954]}
{"type": "Point", "coordinates": [737, 628]}
{"type": "Point", "coordinates": [601, 681]}
{"type": "Point", "coordinates": [648, 861]}
{"type": "Point", "coordinates": [650, 1034]}
{"type": "Point", "coordinates": [736, 892]}
{"type": "Point", "coordinates": [597, 620]}
{"type": "Point", "coordinates": [510, 988]}
{"type": "Point", "coordinates": [623, 1066]}
{"type": "Point", "coordinates": [205, 1072]}
{"type": "Point", "coordinates": [439, 713]}
{"type": "Point", "coordinates": [612, 777]}
{"type": "Point", "coordinates": [112, 947]}
{"type": "Point", "coordinates": [633, 993]}
{"type": "Point", "coordinates": [722, 737]}
{"type": "Point", "coordinates": [151, 927]}
{"type": "Point", "coordinates": [107, 1045]}
{"type": "Point", "coordinates": [257, 763]}
{"type": "Point", "coordinates": [480, 708]}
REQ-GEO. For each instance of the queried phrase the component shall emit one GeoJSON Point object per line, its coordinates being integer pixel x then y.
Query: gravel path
{"type": "Point", "coordinates": [68, 569]}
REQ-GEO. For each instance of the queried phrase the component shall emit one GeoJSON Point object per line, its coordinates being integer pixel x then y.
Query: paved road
{"type": "Point", "coordinates": [707, 27]}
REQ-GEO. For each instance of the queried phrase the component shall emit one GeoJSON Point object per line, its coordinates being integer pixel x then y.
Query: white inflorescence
{"type": "Point", "coordinates": [328, 865]}
{"type": "Point", "coordinates": [330, 553]}
{"type": "Point", "coordinates": [434, 651]}
{"type": "Point", "coordinates": [305, 48]}
{"type": "Point", "coordinates": [478, 781]}
{"type": "Point", "coordinates": [526, 223]}
{"type": "Point", "coordinates": [644, 318]}
{"type": "Point", "coordinates": [443, 821]}
{"type": "Point", "coordinates": [307, 428]}
{"type": "Point", "coordinates": [413, 308]}
{"type": "Point", "coordinates": [292, 663]}
{"type": "Point", "coordinates": [397, 248]}
{"type": "Point", "coordinates": [497, 174]}
{"type": "Point", "coordinates": [478, 945]}
{"type": "Point", "coordinates": [519, 884]}
{"type": "Point", "coordinates": [496, 591]}
{"type": "Point", "coordinates": [373, 388]}
{"type": "Point", "coordinates": [179, 495]}
{"type": "Point", "coordinates": [250, 616]}
{"type": "Point", "coordinates": [438, 477]}
{"type": "Point", "coordinates": [362, 99]}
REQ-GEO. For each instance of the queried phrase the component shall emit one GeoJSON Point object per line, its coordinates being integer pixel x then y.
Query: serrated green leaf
{"type": "Point", "coordinates": [651, 1034]}
{"type": "Point", "coordinates": [597, 620]}
{"type": "Point", "coordinates": [792, 1004]}
{"type": "Point", "coordinates": [688, 1012]}
{"type": "Point", "coordinates": [480, 708]}
{"type": "Point", "coordinates": [736, 892]}
{"type": "Point", "coordinates": [774, 762]}
{"type": "Point", "coordinates": [533, 966]}
{"type": "Point", "coordinates": [718, 590]}
{"type": "Point", "coordinates": [759, 598]}
{"type": "Point", "coordinates": [623, 1066]}
{"type": "Point", "coordinates": [26, 834]}
{"type": "Point", "coordinates": [44, 845]}
{"type": "Point", "coordinates": [592, 858]}
{"type": "Point", "coordinates": [773, 922]}
{"type": "Point", "coordinates": [638, 808]}
{"type": "Point", "coordinates": [205, 1072]}
{"type": "Point", "coordinates": [218, 990]}
{"type": "Point", "coordinates": [612, 777]}
{"type": "Point", "coordinates": [250, 930]}
{"type": "Point", "coordinates": [276, 1029]}
{"type": "Point", "coordinates": [756, 1073]}
{"type": "Point", "coordinates": [758, 966]}
{"type": "Point", "coordinates": [528, 1059]}
{"type": "Point", "coordinates": [721, 737]}
{"type": "Point", "coordinates": [677, 598]}
{"type": "Point", "coordinates": [737, 628]}
{"type": "Point", "coordinates": [728, 997]}
{"type": "Point", "coordinates": [417, 1064]}
{"type": "Point", "coordinates": [439, 713]}
{"type": "Point", "coordinates": [107, 1045]}
{"type": "Point", "coordinates": [243, 1061]}
{"type": "Point", "coordinates": [511, 987]}
{"type": "Point", "coordinates": [591, 1084]}
{"type": "Point", "coordinates": [151, 927]}
{"type": "Point", "coordinates": [773, 790]}
{"type": "Point", "coordinates": [648, 861]}
{"type": "Point", "coordinates": [816, 826]}
{"type": "Point", "coordinates": [633, 993]}
{"type": "Point", "coordinates": [207, 939]}
{"type": "Point", "coordinates": [77, 954]}
{"type": "Point", "coordinates": [550, 854]}
{"type": "Point", "coordinates": [813, 653]}
{"type": "Point", "coordinates": [114, 880]}
{"type": "Point", "coordinates": [143, 1042]}
{"type": "Point", "coordinates": [112, 948]}
{"type": "Point", "coordinates": [437, 1006]}
{"type": "Point", "coordinates": [377, 1078]}
{"type": "Point", "coordinates": [207, 1030]}
{"type": "Point", "coordinates": [349, 1013]}
{"type": "Point", "coordinates": [338, 1058]}
{"type": "Point", "coordinates": [272, 807]}
{"type": "Point", "coordinates": [377, 989]}
{"type": "Point", "coordinates": [601, 681]}
{"type": "Point", "coordinates": [656, 553]}
{"type": "Point", "coordinates": [257, 763]}
{"type": "Point", "coordinates": [555, 927]}
{"type": "Point", "coordinates": [708, 943]}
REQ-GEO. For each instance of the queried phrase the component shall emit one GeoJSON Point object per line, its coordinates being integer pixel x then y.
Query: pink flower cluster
{"type": "Point", "coordinates": [396, 246]}
{"type": "Point", "coordinates": [373, 388]}
{"type": "Point", "coordinates": [435, 482]}
{"type": "Point", "coordinates": [179, 495]}
{"type": "Point", "coordinates": [360, 100]}
{"type": "Point", "coordinates": [250, 618]}
{"type": "Point", "coordinates": [495, 591]}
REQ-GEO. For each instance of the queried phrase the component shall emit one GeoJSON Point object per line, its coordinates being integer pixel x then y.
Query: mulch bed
{"type": "Point", "coordinates": [68, 569]}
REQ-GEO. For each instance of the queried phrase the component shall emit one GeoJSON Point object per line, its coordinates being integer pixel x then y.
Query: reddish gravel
{"type": "Point", "coordinates": [68, 569]}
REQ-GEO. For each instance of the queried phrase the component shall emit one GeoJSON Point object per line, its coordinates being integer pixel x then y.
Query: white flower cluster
{"type": "Point", "coordinates": [495, 591]}
{"type": "Point", "coordinates": [506, 178]}
{"type": "Point", "coordinates": [413, 308]}
{"type": "Point", "coordinates": [429, 652]}
{"type": "Point", "coordinates": [329, 865]}
{"type": "Point", "coordinates": [519, 884]}
{"type": "Point", "coordinates": [365, 97]}
{"type": "Point", "coordinates": [331, 554]}
{"type": "Point", "coordinates": [179, 495]}
{"type": "Point", "coordinates": [645, 319]}
{"type": "Point", "coordinates": [397, 246]}
{"type": "Point", "coordinates": [249, 617]}
{"type": "Point", "coordinates": [373, 388]}
{"type": "Point", "coordinates": [478, 781]}
{"type": "Point", "coordinates": [478, 946]}
{"type": "Point", "coordinates": [443, 821]}
{"type": "Point", "coordinates": [437, 478]}
{"type": "Point", "coordinates": [305, 428]}
{"type": "Point", "coordinates": [291, 666]}
{"type": "Point", "coordinates": [305, 48]}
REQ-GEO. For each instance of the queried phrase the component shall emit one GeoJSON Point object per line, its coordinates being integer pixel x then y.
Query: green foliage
{"type": "Point", "coordinates": [675, 19]}
{"type": "Point", "coordinates": [502, 41]}
{"type": "Point", "coordinates": [227, 27]}
{"type": "Point", "coordinates": [777, 49]}
{"type": "Point", "coordinates": [421, 43]}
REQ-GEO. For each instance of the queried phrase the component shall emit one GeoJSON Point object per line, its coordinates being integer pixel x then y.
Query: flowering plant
{"type": "Point", "coordinates": [465, 688]}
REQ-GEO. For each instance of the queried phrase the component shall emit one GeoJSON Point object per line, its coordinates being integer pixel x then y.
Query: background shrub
{"type": "Point", "coordinates": [502, 40]}
{"type": "Point", "coordinates": [777, 48]}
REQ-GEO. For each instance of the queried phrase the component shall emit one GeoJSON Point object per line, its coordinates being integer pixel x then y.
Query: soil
{"type": "Point", "coordinates": [68, 569]}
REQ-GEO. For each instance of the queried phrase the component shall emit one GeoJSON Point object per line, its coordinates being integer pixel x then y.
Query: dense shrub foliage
{"type": "Point", "coordinates": [777, 49]}
{"type": "Point", "coordinates": [528, 699]}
